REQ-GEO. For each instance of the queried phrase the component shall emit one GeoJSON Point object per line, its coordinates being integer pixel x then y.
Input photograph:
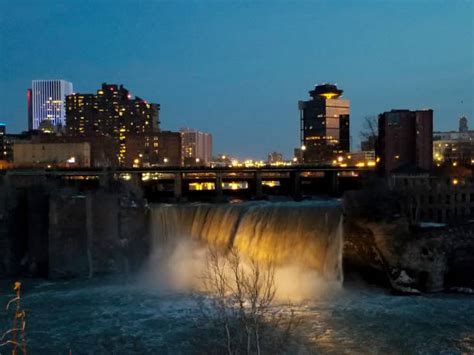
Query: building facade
{"type": "Point", "coordinates": [7, 141]}
{"type": "Point", "coordinates": [196, 147]}
{"type": "Point", "coordinates": [3, 141]}
{"type": "Point", "coordinates": [324, 124]}
{"type": "Point", "coordinates": [426, 198]}
{"type": "Point", "coordinates": [47, 102]}
{"type": "Point", "coordinates": [405, 139]}
{"type": "Point", "coordinates": [454, 147]}
{"type": "Point", "coordinates": [52, 154]}
{"type": "Point", "coordinates": [111, 112]}
{"type": "Point", "coordinates": [154, 149]}
{"type": "Point", "coordinates": [274, 158]}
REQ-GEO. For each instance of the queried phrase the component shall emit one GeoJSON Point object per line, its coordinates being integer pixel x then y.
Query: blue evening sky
{"type": "Point", "coordinates": [238, 68]}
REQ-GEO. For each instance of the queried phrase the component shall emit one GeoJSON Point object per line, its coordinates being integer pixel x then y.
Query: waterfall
{"type": "Point", "coordinates": [304, 237]}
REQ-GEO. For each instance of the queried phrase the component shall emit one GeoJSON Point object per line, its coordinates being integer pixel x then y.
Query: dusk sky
{"type": "Point", "coordinates": [238, 68]}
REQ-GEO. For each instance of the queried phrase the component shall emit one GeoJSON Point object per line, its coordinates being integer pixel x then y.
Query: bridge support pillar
{"type": "Point", "coordinates": [136, 179]}
{"type": "Point", "coordinates": [334, 182]}
{"type": "Point", "coordinates": [258, 184]}
{"type": "Point", "coordinates": [178, 186]}
{"type": "Point", "coordinates": [218, 186]}
{"type": "Point", "coordinates": [105, 178]}
{"type": "Point", "coordinates": [295, 183]}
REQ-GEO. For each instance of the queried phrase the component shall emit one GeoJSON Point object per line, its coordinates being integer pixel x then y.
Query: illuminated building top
{"type": "Point", "coordinates": [328, 91]}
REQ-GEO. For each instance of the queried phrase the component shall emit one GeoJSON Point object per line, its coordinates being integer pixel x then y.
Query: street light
{"type": "Point", "coordinates": [165, 160]}
{"type": "Point", "coordinates": [303, 147]}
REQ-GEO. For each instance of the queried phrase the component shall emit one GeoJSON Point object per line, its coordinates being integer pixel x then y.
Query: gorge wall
{"type": "Point", "coordinates": [48, 230]}
{"type": "Point", "coordinates": [51, 231]}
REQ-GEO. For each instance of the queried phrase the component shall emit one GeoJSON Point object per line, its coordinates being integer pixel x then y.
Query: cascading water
{"type": "Point", "coordinates": [303, 240]}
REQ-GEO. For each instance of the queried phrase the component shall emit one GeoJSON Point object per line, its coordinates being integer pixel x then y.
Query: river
{"type": "Point", "coordinates": [159, 311]}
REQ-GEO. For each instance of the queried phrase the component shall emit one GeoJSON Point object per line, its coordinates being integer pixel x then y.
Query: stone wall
{"type": "Point", "coordinates": [48, 230]}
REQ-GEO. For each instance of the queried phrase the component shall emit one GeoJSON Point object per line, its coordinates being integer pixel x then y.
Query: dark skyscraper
{"type": "Point", "coordinates": [29, 97]}
{"type": "Point", "coordinates": [324, 124]}
{"type": "Point", "coordinates": [463, 126]}
{"type": "Point", "coordinates": [405, 139]}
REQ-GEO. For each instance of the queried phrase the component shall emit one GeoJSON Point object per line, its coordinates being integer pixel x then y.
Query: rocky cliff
{"type": "Point", "coordinates": [381, 246]}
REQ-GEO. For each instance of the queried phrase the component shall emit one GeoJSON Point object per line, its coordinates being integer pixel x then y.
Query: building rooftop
{"type": "Point", "coordinates": [328, 91]}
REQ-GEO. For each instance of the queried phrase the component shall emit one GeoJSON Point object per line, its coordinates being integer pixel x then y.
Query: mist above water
{"type": "Point", "coordinates": [303, 241]}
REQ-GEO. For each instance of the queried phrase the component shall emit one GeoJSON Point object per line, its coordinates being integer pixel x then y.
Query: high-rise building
{"type": "Point", "coordinates": [111, 112]}
{"type": "Point", "coordinates": [196, 147]}
{"type": "Point", "coordinates": [29, 98]}
{"type": "Point", "coordinates": [324, 124]}
{"type": "Point", "coordinates": [463, 127]}
{"type": "Point", "coordinates": [405, 139]}
{"type": "Point", "coordinates": [47, 102]}
{"type": "Point", "coordinates": [3, 147]}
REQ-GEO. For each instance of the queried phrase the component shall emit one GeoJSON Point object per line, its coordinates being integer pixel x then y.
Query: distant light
{"type": "Point", "coordinates": [455, 181]}
{"type": "Point", "coordinates": [339, 158]}
{"type": "Point", "coordinates": [165, 160]}
{"type": "Point", "coordinates": [197, 160]}
{"type": "Point", "coordinates": [72, 160]}
{"type": "Point", "coordinates": [303, 147]}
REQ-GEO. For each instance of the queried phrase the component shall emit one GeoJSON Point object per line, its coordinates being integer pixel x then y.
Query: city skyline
{"type": "Point", "coordinates": [243, 80]}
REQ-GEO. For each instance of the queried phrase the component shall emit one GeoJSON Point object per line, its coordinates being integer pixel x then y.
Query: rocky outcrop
{"type": "Point", "coordinates": [410, 259]}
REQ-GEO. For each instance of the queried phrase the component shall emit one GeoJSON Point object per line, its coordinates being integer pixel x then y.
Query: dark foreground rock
{"type": "Point", "coordinates": [410, 259]}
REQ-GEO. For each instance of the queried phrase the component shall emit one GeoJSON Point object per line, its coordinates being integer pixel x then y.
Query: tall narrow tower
{"type": "Point", "coordinates": [463, 126]}
{"type": "Point", "coordinates": [324, 124]}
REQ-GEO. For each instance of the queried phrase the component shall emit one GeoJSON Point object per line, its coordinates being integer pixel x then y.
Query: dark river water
{"type": "Point", "coordinates": [105, 316]}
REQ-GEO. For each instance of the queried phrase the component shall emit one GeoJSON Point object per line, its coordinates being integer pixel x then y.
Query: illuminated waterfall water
{"type": "Point", "coordinates": [304, 240]}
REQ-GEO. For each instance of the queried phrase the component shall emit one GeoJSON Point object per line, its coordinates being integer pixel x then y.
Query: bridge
{"type": "Point", "coordinates": [198, 182]}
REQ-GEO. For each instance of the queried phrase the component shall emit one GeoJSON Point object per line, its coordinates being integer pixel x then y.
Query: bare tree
{"type": "Point", "coordinates": [370, 130]}
{"type": "Point", "coordinates": [242, 303]}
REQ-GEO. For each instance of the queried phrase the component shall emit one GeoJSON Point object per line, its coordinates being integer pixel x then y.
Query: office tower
{"type": "Point", "coordinates": [47, 102]}
{"type": "Point", "coordinates": [196, 147]}
{"type": "Point", "coordinates": [405, 139]}
{"type": "Point", "coordinates": [324, 124]}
